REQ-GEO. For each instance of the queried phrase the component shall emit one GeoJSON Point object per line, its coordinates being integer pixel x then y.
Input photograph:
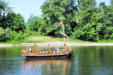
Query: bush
{"type": "Point", "coordinates": [18, 36]}
{"type": "Point", "coordinates": [77, 34]}
{"type": "Point", "coordinates": [5, 34]}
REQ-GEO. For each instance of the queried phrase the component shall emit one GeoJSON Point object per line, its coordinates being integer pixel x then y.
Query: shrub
{"type": "Point", "coordinates": [5, 34]}
{"type": "Point", "coordinates": [17, 36]}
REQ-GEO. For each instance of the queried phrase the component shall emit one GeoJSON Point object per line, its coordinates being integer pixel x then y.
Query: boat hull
{"type": "Point", "coordinates": [49, 57]}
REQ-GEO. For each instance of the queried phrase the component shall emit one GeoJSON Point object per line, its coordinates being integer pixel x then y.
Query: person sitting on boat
{"type": "Point", "coordinates": [40, 52]}
{"type": "Point", "coordinates": [65, 46]}
{"type": "Point", "coordinates": [46, 51]}
{"type": "Point", "coordinates": [57, 49]}
{"type": "Point", "coordinates": [34, 47]}
{"type": "Point", "coordinates": [63, 50]}
{"type": "Point", "coordinates": [30, 50]}
{"type": "Point", "coordinates": [49, 47]}
{"type": "Point", "coordinates": [54, 51]}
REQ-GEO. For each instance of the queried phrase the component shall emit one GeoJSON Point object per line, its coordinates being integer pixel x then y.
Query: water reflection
{"type": "Point", "coordinates": [93, 61]}
{"type": "Point", "coordinates": [48, 67]}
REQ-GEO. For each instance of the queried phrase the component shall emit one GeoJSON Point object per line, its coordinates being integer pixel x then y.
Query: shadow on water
{"type": "Point", "coordinates": [85, 61]}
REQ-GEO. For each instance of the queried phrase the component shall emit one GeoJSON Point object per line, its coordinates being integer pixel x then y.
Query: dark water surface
{"type": "Point", "coordinates": [85, 61]}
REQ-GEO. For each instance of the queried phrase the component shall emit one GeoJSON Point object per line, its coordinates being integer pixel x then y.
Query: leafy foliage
{"type": "Point", "coordinates": [56, 10]}
{"type": "Point", "coordinates": [5, 34]}
{"type": "Point", "coordinates": [36, 24]}
{"type": "Point", "coordinates": [14, 22]}
{"type": "Point", "coordinates": [82, 19]}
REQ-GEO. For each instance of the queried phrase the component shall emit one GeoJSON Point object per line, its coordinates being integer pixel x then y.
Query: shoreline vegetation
{"type": "Point", "coordinates": [45, 40]}
{"type": "Point", "coordinates": [83, 21]}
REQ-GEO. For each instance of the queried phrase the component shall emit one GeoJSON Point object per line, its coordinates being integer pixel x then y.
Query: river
{"type": "Point", "coordinates": [95, 60]}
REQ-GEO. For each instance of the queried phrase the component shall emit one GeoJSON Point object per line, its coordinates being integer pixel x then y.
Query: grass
{"type": "Point", "coordinates": [39, 39]}
{"type": "Point", "coordinates": [12, 42]}
{"type": "Point", "coordinates": [105, 41]}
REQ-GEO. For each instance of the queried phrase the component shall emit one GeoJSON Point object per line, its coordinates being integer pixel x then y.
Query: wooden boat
{"type": "Point", "coordinates": [64, 53]}
{"type": "Point", "coordinates": [47, 54]}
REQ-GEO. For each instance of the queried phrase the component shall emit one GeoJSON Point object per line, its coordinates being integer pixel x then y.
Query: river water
{"type": "Point", "coordinates": [85, 61]}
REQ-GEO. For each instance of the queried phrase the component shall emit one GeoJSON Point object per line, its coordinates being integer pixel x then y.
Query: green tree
{"type": "Point", "coordinates": [3, 9]}
{"type": "Point", "coordinates": [14, 22]}
{"type": "Point", "coordinates": [84, 24]}
{"type": "Point", "coordinates": [111, 2]}
{"type": "Point", "coordinates": [55, 10]}
{"type": "Point", "coordinates": [37, 24]}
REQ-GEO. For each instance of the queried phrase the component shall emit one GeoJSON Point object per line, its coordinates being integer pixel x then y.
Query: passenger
{"type": "Point", "coordinates": [63, 50]}
{"type": "Point", "coordinates": [43, 52]}
{"type": "Point", "coordinates": [46, 51]}
{"type": "Point", "coordinates": [54, 52]}
{"type": "Point", "coordinates": [57, 50]}
{"type": "Point", "coordinates": [49, 47]}
{"type": "Point", "coordinates": [40, 52]}
{"type": "Point", "coordinates": [50, 51]}
{"type": "Point", "coordinates": [65, 46]}
{"type": "Point", "coordinates": [27, 51]}
{"type": "Point", "coordinates": [30, 50]}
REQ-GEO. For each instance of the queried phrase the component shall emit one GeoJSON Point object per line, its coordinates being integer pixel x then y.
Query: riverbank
{"type": "Point", "coordinates": [10, 45]}
{"type": "Point", "coordinates": [57, 44]}
{"type": "Point", "coordinates": [45, 40]}
{"type": "Point", "coordinates": [68, 44]}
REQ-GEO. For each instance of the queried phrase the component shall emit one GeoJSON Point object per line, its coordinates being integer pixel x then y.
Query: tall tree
{"type": "Point", "coordinates": [3, 7]}
{"type": "Point", "coordinates": [84, 13]}
{"type": "Point", "coordinates": [111, 2]}
{"type": "Point", "coordinates": [15, 22]}
{"type": "Point", "coordinates": [37, 24]}
{"type": "Point", "coordinates": [56, 10]}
